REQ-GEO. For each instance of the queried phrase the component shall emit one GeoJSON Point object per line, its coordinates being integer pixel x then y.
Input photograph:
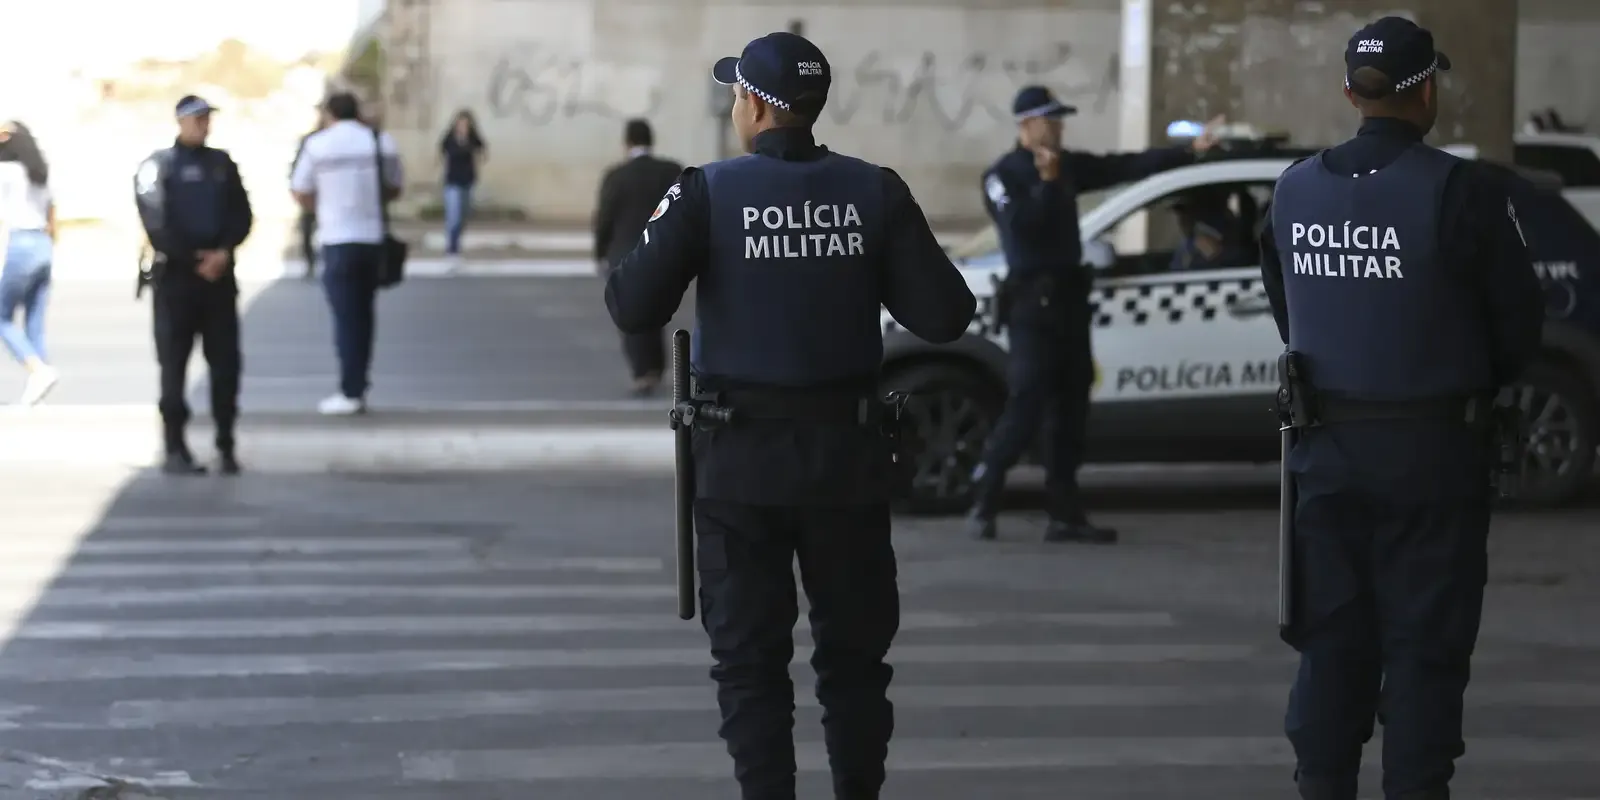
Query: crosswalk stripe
{"type": "Point", "coordinates": [506, 624]}
{"type": "Point", "coordinates": [401, 662]}
{"type": "Point", "coordinates": [36, 523]}
{"type": "Point", "coordinates": [395, 567]}
{"type": "Point", "coordinates": [435, 706]}
{"type": "Point", "coordinates": [113, 546]}
{"type": "Point", "coordinates": [709, 760]}
{"type": "Point", "coordinates": [70, 597]}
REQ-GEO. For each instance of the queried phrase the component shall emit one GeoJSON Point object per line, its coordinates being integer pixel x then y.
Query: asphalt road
{"type": "Point", "coordinates": [513, 636]}
{"type": "Point", "coordinates": [461, 342]}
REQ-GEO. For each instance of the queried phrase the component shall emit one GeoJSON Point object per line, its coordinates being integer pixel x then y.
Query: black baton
{"type": "Point", "coordinates": [683, 458]}
{"type": "Point", "coordinates": [1286, 559]}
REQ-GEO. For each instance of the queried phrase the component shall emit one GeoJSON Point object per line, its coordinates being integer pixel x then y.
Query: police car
{"type": "Point", "coordinates": [1185, 361]}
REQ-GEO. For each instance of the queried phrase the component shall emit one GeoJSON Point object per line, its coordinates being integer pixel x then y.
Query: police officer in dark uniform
{"type": "Point", "coordinates": [195, 214]}
{"type": "Point", "coordinates": [1031, 193]}
{"type": "Point", "coordinates": [795, 248]}
{"type": "Point", "coordinates": [1399, 275]}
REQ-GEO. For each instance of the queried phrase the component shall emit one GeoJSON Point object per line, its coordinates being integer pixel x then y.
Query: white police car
{"type": "Point", "coordinates": [1186, 360]}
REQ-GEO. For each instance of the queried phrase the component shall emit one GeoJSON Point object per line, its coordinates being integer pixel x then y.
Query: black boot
{"type": "Point", "coordinates": [227, 461]}
{"type": "Point", "coordinates": [986, 489]}
{"type": "Point", "coordinates": [1324, 789]}
{"type": "Point", "coordinates": [1079, 531]}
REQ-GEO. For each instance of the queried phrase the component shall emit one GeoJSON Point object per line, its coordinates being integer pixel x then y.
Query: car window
{"type": "Point", "coordinates": [1234, 210]}
{"type": "Point", "coordinates": [1577, 165]}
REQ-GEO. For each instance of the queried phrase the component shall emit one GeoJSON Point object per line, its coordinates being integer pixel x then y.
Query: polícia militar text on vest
{"type": "Point", "coordinates": [804, 245]}
{"type": "Point", "coordinates": [1322, 238]}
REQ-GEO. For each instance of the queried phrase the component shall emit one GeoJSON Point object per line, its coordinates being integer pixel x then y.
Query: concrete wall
{"type": "Point", "coordinates": [925, 88]}
{"type": "Point", "coordinates": [1558, 64]}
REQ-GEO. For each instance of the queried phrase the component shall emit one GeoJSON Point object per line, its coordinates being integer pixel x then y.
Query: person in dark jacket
{"type": "Point", "coordinates": [629, 192]}
{"type": "Point", "coordinates": [195, 213]}
{"type": "Point", "coordinates": [463, 151]}
{"type": "Point", "coordinates": [1031, 193]}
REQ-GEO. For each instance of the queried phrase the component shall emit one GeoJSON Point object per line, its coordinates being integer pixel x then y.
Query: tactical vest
{"type": "Point", "coordinates": [195, 182]}
{"type": "Point", "coordinates": [792, 292]}
{"type": "Point", "coordinates": [1371, 307]}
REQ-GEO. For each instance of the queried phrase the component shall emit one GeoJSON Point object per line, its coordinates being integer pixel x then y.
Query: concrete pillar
{"type": "Point", "coordinates": [1280, 66]}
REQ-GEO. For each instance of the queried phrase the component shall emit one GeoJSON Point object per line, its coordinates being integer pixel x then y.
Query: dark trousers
{"type": "Point", "coordinates": [185, 307]}
{"type": "Point", "coordinates": [308, 231]}
{"type": "Point", "coordinates": [749, 608]}
{"type": "Point", "coordinates": [350, 280]}
{"type": "Point", "coordinates": [1048, 379]}
{"type": "Point", "coordinates": [1392, 526]}
{"type": "Point", "coordinates": [646, 352]}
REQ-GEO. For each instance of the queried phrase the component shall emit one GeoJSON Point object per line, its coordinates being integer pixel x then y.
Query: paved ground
{"type": "Point", "coordinates": [464, 342]}
{"type": "Point", "coordinates": [512, 636]}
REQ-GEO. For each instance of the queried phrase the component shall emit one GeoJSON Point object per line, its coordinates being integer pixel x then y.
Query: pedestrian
{"type": "Point", "coordinates": [28, 232]}
{"type": "Point", "coordinates": [463, 151]}
{"type": "Point", "coordinates": [339, 177]}
{"type": "Point", "coordinates": [629, 193]}
{"type": "Point", "coordinates": [795, 249]}
{"type": "Point", "coordinates": [1411, 300]}
{"type": "Point", "coordinates": [308, 216]}
{"type": "Point", "coordinates": [195, 214]}
{"type": "Point", "coordinates": [1031, 194]}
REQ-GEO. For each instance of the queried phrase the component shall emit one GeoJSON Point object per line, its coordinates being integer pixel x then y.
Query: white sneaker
{"type": "Point", "coordinates": [340, 406]}
{"type": "Point", "coordinates": [40, 382]}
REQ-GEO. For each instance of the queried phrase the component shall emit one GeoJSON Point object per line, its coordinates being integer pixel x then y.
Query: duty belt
{"type": "Point", "coordinates": [838, 408]}
{"type": "Point", "coordinates": [1333, 409]}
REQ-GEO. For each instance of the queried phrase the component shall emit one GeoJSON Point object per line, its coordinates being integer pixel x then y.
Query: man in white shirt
{"type": "Point", "coordinates": [338, 178]}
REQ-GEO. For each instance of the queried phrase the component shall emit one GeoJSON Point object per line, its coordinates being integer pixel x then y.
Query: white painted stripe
{"type": "Point", "coordinates": [222, 569]}
{"type": "Point", "coordinates": [710, 760]}
{"type": "Point", "coordinates": [196, 546]}
{"type": "Point", "coordinates": [400, 662]}
{"type": "Point", "coordinates": [700, 698]}
{"type": "Point", "coordinates": [70, 597]}
{"type": "Point", "coordinates": [172, 779]}
{"type": "Point", "coordinates": [573, 241]}
{"type": "Point", "coordinates": [131, 414]}
{"type": "Point", "coordinates": [507, 624]}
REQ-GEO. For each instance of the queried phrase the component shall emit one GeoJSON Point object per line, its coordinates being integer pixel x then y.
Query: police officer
{"type": "Point", "coordinates": [795, 248]}
{"type": "Point", "coordinates": [1031, 194]}
{"type": "Point", "coordinates": [1399, 275]}
{"type": "Point", "coordinates": [195, 214]}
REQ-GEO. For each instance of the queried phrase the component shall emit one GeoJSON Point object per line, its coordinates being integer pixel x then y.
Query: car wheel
{"type": "Point", "coordinates": [950, 411]}
{"type": "Point", "coordinates": [1563, 420]}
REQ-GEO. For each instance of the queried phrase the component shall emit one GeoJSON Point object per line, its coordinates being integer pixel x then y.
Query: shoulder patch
{"type": "Point", "coordinates": [1511, 211]}
{"type": "Point", "coordinates": [996, 190]}
{"type": "Point", "coordinates": [672, 194]}
{"type": "Point", "coordinates": [145, 179]}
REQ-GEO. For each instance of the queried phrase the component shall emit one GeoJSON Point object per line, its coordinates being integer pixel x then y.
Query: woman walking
{"type": "Point", "coordinates": [462, 151]}
{"type": "Point", "coordinates": [28, 227]}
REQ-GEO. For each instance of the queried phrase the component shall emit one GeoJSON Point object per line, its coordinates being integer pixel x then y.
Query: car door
{"type": "Point", "coordinates": [1185, 357]}
{"type": "Point", "coordinates": [1576, 164]}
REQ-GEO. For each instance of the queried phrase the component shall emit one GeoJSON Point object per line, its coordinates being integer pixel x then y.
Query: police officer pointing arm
{"type": "Point", "coordinates": [795, 248]}
{"type": "Point", "coordinates": [195, 214]}
{"type": "Point", "coordinates": [1031, 193]}
{"type": "Point", "coordinates": [1400, 281]}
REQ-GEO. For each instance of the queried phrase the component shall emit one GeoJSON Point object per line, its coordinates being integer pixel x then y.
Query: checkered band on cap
{"type": "Point", "coordinates": [1411, 81]}
{"type": "Point", "coordinates": [750, 87]}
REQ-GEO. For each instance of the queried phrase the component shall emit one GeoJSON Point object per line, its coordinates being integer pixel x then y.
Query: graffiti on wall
{"type": "Point", "coordinates": [538, 84]}
{"type": "Point", "coordinates": [951, 91]}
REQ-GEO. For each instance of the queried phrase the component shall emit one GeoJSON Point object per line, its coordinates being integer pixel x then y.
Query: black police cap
{"type": "Point", "coordinates": [1396, 47]}
{"type": "Point", "coordinates": [784, 69]}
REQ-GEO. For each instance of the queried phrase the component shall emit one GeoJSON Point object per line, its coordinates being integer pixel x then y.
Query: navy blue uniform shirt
{"type": "Point", "coordinates": [924, 292]}
{"type": "Point", "coordinates": [1475, 233]}
{"type": "Point", "coordinates": [191, 199]}
{"type": "Point", "coordinates": [1037, 220]}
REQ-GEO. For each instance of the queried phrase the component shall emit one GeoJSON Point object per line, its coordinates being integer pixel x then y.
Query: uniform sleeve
{"type": "Point", "coordinates": [150, 195]}
{"type": "Point", "coordinates": [605, 213]}
{"type": "Point", "coordinates": [924, 291]}
{"type": "Point", "coordinates": [1513, 299]}
{"type": "Point", "coordinates": [1272, 275]}
{"type": "Point", "coordinates": [646, 288]}
{"type": "Point", "coordinates": [1091, 172]}
{"type": "Point", "coordinates": [241, 218]}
